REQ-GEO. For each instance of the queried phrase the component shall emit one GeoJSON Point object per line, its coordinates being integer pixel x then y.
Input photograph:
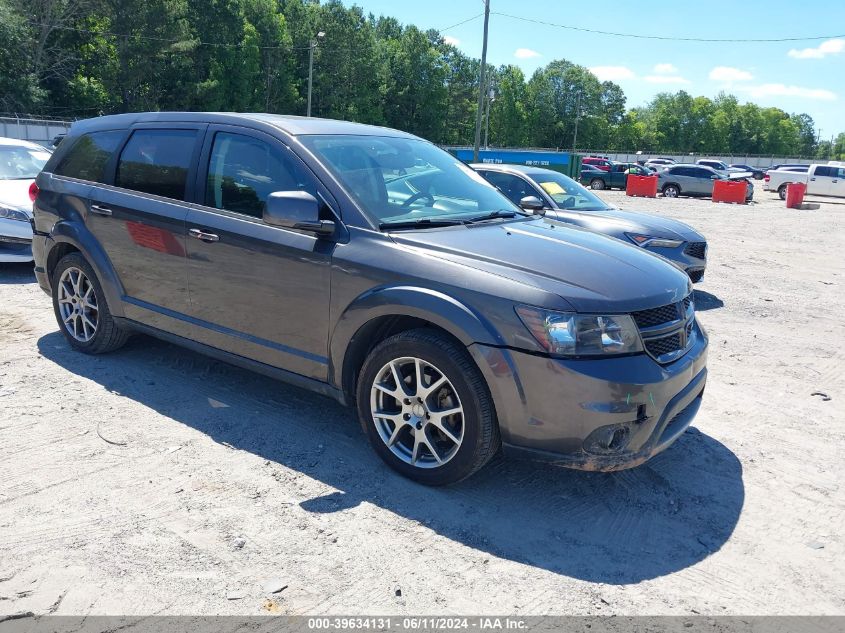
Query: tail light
{"type": "Point", "coordinates": [33, 191]}
{"type": "Point", "coordinates": [767, 178]}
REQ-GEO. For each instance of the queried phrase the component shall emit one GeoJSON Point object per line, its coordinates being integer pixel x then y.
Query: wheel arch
{"type": "Point", "coordinates": [68, 238]}
{"type": "Point", "coordinates": [384, 312]}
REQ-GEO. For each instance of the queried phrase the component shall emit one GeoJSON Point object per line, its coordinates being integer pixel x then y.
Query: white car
{"type": "Point", "coordinates": [20, 162]}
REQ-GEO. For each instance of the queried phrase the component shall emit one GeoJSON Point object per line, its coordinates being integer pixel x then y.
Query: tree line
{"type": "Point", "coordinates": [82, 58]}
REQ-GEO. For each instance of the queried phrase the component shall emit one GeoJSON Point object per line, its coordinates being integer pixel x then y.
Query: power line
{"type": "Point", "coordinates": [661, 37]}
{"type": "Point", "coordinates": [475, 17]}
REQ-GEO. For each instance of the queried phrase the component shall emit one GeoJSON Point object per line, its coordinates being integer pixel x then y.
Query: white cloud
{"type": "Point", "coordinates": [729, 74]}
{"type": "Point", "coordinates": [666, 79]}
{"type": "Point", "coordinates": [830, 47]}
{"type": "Point", "coordinates": [665, 69]}
{"type": "Point", "coordinates": [525, 53]}
{"type": "Point", "coordinates": [782, 90]}
{"type": "Point", "coordinates": [612, 73]}
{"type": "Point", "coordinates": [454, 41]}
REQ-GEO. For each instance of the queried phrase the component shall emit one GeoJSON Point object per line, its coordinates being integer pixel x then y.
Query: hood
{"type": "Point", "coordinates": [15, 193]}
{"type": "Point", "coordinates": [591, 272]}
{"type": "Point", "coordinates": [617, 222]}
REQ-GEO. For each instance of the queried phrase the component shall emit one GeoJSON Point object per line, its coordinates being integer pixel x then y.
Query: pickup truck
{"type": "Point", "coordinates": [616, 175]}
{"type": "Point", "coordinates": [821, 180]}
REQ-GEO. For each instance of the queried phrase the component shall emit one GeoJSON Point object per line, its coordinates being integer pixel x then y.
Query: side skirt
{"type": "Point", "coordinates": [282, 375]}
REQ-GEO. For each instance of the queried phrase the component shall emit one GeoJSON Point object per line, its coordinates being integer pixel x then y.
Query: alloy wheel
{"type": "Point", "coordinates": [78, 305]}
{"type": "Point", "coordinates": [417, 412]}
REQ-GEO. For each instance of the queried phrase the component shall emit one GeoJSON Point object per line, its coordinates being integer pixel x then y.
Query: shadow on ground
{"type": "Point", "coordinates": [612, 528]}
{"type": "Point", "coordinates": [706, 301]}
{"type": "Point", "coordinates": [16, 273]}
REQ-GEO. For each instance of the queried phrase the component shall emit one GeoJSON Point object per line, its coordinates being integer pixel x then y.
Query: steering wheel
{"type": "Point", "coordinates": [417, 196]}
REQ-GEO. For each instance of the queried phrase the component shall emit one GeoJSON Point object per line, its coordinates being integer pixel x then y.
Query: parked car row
{"type": "Point", "coordinates": [370, 266]}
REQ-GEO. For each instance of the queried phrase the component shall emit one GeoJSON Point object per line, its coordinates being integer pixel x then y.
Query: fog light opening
{"type": "Point", "coordinates": [611, 439]}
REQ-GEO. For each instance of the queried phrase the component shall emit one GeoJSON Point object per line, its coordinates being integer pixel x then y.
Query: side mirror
{"type": "Point", "coordinates": [531, 203]}
{"type": "Point", "coordinates": [296, 210]}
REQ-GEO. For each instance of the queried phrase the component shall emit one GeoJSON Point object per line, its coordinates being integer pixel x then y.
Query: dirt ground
{"type": "Point", "coordinates": [156, 481]}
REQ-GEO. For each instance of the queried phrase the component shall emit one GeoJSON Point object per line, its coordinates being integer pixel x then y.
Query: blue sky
{"type": "Point", "coordinates": [801, 76]}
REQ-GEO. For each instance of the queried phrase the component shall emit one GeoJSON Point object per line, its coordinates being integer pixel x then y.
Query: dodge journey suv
{"type": "Point", "coordinates": [368, 265]}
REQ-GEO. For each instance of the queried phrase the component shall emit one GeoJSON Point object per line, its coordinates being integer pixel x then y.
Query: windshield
{"type": "Point", "coordinates": [21, 163]}
{"type": "Point", "coordinates": [400, 181]}
{"type": "Point", "coordinates": [567, 193]}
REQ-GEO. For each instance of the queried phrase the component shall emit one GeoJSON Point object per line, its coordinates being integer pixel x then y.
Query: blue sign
{"type": "Point", "coordinates": [532, 159]}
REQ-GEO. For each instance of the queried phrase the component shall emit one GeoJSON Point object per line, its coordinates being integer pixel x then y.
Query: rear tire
{"type": "Point", "coordinates": [438, 424]}
{"type": "Point", "coordinates": [782, 192]}
{"type": "Point", "coordinates": [671, 191]}
{"type": "Point", "coordinates": [597, 184]}
{"type": "Point", "coordinates": [82, 313]}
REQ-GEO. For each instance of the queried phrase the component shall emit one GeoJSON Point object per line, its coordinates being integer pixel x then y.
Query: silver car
{"type": "Point", "coordinates": [20, 162]}
{"type": "Point", "coordinates": [564, 199]}
{"type": "Point", "coordinates": [694, 180]}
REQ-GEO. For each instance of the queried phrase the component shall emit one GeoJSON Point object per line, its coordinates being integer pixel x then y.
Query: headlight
{"type": "Point", "coordinates": [8, 213]}
{"type": "Point", "coordinates": [572, 334]}
{"type": "Point", "coordinates": [648, 240]}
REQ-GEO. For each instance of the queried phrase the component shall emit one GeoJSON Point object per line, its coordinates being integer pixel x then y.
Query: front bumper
{"type": "Point", "coordinates": [606, 414]}
{"type": "Point", "coordinates": [15, 241]}
{"type": "Point", "coordinates": [692, 266]}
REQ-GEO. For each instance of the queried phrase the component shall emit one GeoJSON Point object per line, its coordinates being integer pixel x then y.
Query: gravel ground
{"type": "Point", "coordinates": [156, 481]}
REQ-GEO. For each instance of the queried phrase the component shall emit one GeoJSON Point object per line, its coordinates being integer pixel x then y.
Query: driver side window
{"type": "Point", "coordinates": [243, 171]}
{"type": "Point", "coordinates": [513, 187]}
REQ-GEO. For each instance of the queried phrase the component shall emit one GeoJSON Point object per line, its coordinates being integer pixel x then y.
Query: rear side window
{"type": "Point", "coordinates": [243, 171]}
{"type": "Point", "coordinates": [88, 157]}
{"type": "Point", "coordinates": [825, 171]}
{"type": "Point", "coordinates": [157, 162]}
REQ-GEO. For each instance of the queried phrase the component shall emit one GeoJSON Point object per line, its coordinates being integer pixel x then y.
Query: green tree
{"type": "Point", "coordinates": [509, 112]}
{"type": "Point", "coordinates": [19, 85]}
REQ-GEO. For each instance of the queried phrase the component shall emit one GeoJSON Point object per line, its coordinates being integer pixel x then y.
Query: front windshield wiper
{"type": "Point", "coordinates": [500, 213]}
{"type": "Point", "coordinates": [423, 223]}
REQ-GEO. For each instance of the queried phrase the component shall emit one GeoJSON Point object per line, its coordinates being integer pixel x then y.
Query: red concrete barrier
{"type": "Point", "coordinates": [732, 191]}
{"type": "Point", "coordinates": [643, 186]}
{"type": "Point", "coordinates": [795, 194]}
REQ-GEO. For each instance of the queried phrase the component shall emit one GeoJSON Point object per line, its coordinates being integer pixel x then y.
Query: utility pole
{"type": "Point", "coordinates": [482, 83]}
{"type": "Point", "coordinates": [577, 116]}
{"type": "Point", "coordinates": [491, 97]}
{"type": "Point", "coordinates": [311, 47]}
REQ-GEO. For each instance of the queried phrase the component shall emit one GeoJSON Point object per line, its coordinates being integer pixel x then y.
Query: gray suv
{"type": "Point", "coordinates": [370, 266]}
{"type": "Point", "coordinates": [694, 180]}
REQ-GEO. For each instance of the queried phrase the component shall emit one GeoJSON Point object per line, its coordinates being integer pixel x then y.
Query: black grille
{"type": "Point", "coordinates": [656, 316]}
{"type": "Point", "coordinates": [696, 275]}
{"type": "Point", "coordinates": [696, 249]}
{"type": "Point", "coordinates": [659, 346]}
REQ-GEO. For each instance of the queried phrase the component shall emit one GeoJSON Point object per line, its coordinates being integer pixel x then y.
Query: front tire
{"type": "Point", "coordinates": [671, 191]}
{"type": "Point", "coordinates": [81, 309]}
{"type": "Point", "coordinates": [426, 408]}
{"type": "Point", "coordinates": [597, 184]}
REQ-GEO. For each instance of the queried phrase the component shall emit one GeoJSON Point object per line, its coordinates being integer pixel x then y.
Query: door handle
{"type": "Point", "coordinates": [812, 178]}
{"type": "Point", "coordinates": [98, 210]}
{"type": "Point", "coordinates": [203, 236]}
